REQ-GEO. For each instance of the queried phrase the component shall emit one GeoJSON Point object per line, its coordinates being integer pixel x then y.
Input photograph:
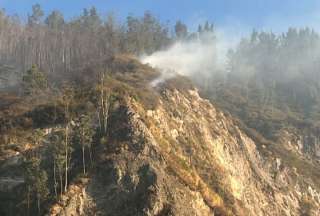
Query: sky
{"type": "Point", "coordinates": [273, 15]}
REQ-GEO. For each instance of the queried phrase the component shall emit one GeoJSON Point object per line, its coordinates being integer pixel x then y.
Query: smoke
{"type": "Point", "coordinates": [196, 57]}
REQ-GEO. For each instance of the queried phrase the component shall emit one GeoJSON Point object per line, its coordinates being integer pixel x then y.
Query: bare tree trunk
{"type": "Point", "coordinates": [66, 160]}
{"type": "Point", "coordinates": [28, 201]}
{"type": "Point", "coordinates": [83, 160]}
{"type": "Point", "coordinates": [104, 107]}
{"type": "Point", "coordinates": [99, 119]}
{"type": "Point", "coordinates": [90, 155]}
{"type": "Point", "coordinates": [105, 112]}
{"type": "Point", "coordinates": [61, 184]}
{"type": "Point", "coordinates": [38, 204]}
{"type": "Point", "coordinates": [55, 179]}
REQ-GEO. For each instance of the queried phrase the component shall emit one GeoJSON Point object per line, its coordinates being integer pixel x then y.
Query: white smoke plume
{"type": "Point", "coordinates": [195, 57]}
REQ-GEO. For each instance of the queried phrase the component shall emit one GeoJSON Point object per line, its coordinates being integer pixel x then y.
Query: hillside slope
{"type": "Point", "coordinates": [185, 157]}
{"type": "Point", "coordinates": [170, 152]}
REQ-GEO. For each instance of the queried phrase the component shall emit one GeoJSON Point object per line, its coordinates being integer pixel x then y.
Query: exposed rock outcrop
{"type": "Point", "coordinates": [187, 158]}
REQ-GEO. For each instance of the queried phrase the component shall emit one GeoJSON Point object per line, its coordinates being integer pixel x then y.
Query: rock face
{"type": "Point", "coordinates": [187, 158]}
{"type": "Point", "coordinates": [305, 143]}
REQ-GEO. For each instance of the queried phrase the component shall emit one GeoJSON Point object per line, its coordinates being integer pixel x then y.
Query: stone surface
{"type": "Point", "coordinates": [185, 158]}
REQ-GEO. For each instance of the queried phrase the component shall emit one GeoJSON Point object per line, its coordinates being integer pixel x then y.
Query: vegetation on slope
{"type": "Point", "coordinates": [54, 129]}
{"type": "Point", "coordinates": [272, 86]}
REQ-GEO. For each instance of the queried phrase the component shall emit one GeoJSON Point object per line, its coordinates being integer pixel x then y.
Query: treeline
{"type": "Point", "coordinates": [272, 81]}
{"type": "Point", "coordinates": [58, 46]}
{"type": "Point", "coordinates": [286, 65]}
{"type": "Point", "coordinates": [279, 58]}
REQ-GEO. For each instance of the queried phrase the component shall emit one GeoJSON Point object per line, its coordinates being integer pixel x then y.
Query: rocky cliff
{"type": "Point", "coordinates": [187, 158]}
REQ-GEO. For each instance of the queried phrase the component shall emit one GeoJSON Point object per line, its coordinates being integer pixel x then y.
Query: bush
{"type": "Point", "coordinates": [306, 207]}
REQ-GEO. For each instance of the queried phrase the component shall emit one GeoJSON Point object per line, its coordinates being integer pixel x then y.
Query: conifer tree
{"type": "Point", "coordinates": [34, 80]}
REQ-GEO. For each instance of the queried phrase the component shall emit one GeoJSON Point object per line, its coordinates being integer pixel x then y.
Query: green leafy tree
{"type": "Point", "coordinates": [34, 80]}
{"type": "Point", "coordinates": [35, 177]}
{"type": "Point", "coordinates": [181, 30]}
{"type": "Point", "coordinates": [66, 100]}
{"type": "Point", "coordinates": [36, 181]}
{"type": "Point", "coordinates": [83, 134]}
{"type": "Point", "coordinates": [103, 105]}
{"type": "Point", "coordinates": [90, 19]}
{"type": "Point", "coordinates": [57, 152]}
{"type": "Point", "coordinates": [36, 16]}
{"type": "Point", "coordinates": [55, 20]}
{"type": "Point", "coordinates": [145, 34]}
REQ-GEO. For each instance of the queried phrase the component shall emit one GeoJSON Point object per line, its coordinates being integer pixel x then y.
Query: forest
{"type": "Point", "coordinates": [272, 81]}
{"type": "Point", "coordinates": [61, 47]}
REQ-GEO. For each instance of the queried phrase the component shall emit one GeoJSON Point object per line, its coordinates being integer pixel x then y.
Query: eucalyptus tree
{"type": "Point", "coordinates": [34, 174]}
{"type": "Point", "coordinates": [57, 153]}
{"type": "Point", "coordinates": [83, 136]}
{"type": "Point", "coordinates": [66, 99]}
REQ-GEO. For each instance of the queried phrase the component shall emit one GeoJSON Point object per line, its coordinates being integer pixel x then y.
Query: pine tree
{"type": "Point", "coordinates": [34, 80]}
